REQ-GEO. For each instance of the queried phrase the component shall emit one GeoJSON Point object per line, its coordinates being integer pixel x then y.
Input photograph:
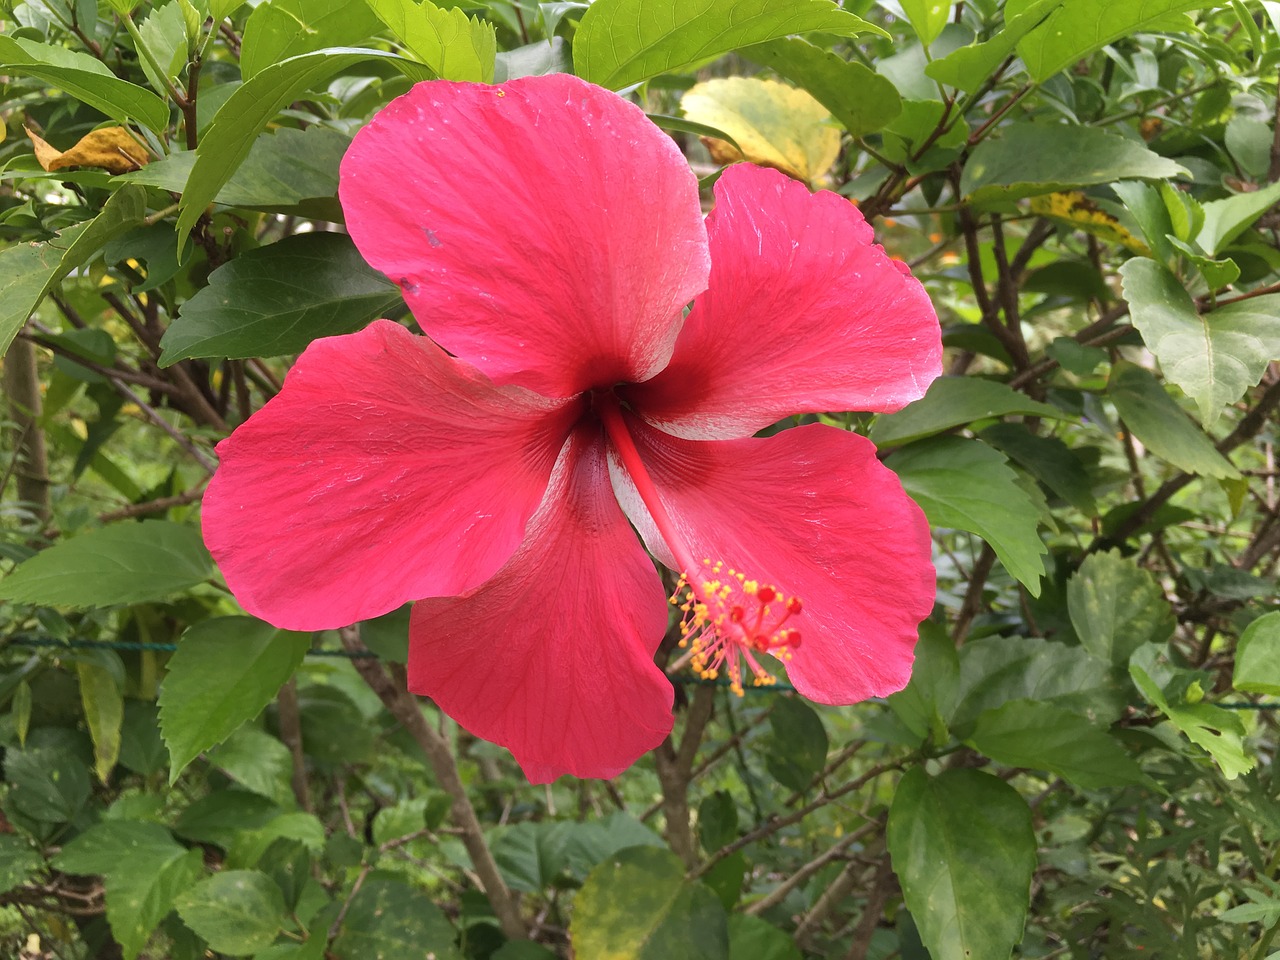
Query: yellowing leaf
{"type": "Point", "coordinates": [1074, 209]}
{"type": "Point", "coordinates": [774, 124]}
{"type": "Point", "coordinates": [112, 149]}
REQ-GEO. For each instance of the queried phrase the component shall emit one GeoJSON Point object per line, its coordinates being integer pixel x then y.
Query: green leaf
{"type": "Point", "coordinates": [1257, 667]}
{"type": "Point", "coordinates": [389, 918]}
{"type": "Point", "coordinates": [996, 670]}
{"type": "Point", "coordinates": [48, 786]}
{"type": "Point", "coordinates": [1116, 607]}
{"type": "Point", "coordinates": [453, 45]}
{"type": "Point", "coordinates": [1047, 459]}
{"type": "Point", "coordinates": [931, 694]}
{"type": "Point", "coordinates": [1149, 210]}
{"type": "Point", "coordinates": [124, 563]}
{"type": "Point", "coordinates": [236, 125]}
{"type": "Point", "coordinates": [1249, 143]}
{"type": "Point", "coordinates": [139, 899]}
{"type": "Point", "coordinates": [288, 171]}
{"type": "Point", "coordinates": [621, 42]}
{"type": "Point", "coordinates": [751, 938]}
{"type": "Point", "coordinates": [951, 402]}
{"type": "Point", "coordinates": [718, 819]}
{"type": "Point", "coordinates": [281, 29]}
{"type": "Point", "coordinates": [1214, 357]}
{"type": "Point", "coordinates": [1043, 736]}
{"type": "Point", "coordinates": [18, 861]}
{"type": "Point", "coordinates": [1216, 273]}
{"type": "Point", "coordinates": [258, 762]}
{"type": "Point", "coordinates": [164, 34]}
{"type": "Point", "coordinates": [224, 672]}
{"type": "Point", "coordinates": [28, 271]}
{"type": "Point", "coordinates": [86, 79]}
{"type": "Point", "coordinates": [636, 905]}
{"type": "Point", "coordinates": [113, 845]}
{"type": "Point", "coordinates": [857, 96]}
{"type": "Point", "coordinates": [963, 848]}
{"type": "Point", "coordinates": [966, 485]}
{"type": "Point", "coordinates": [1161, 425]}
{"type": "Point", "coordinates": [1079, 27]}
{"type": "Point", "coordinates": [1034, 158]}
{"type": "Point", "coordinates": [519, 852]}
{"type": "Point", "coordinates": [523, 949]}
{"type": "Point", "coordinates": [235, 911]}
{"type": "Point", "coordinates": [276, 299]}
{"type": "Point", "coordinates": [797, 750]}
{"type": "Point", "coordinates": [969, 67]}
{"type": "Point", "coordinates": [927, 17]}
{"type": "Point", "coordinates": [103, 702]}
{"type": "Point", "coordinates": [1220, 732]}
{"type": "Point", "coordinates": [1224, 220]}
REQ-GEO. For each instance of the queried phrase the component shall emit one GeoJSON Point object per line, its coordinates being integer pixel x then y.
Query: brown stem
{"type": "Point", "coordinates": [777, 895]}
{"type": "Point", "coordinates": [881, 887]}
{"type": "Point", "coordinates": [837, 893]}
{"type": "Point", "coordinates": [973, 595]}
{"type": "Point", "coordinates": [674, 774]}
{"type": "Point", "coordinates": [158, 505]}
{"type": "Point", "coordinates": [404, 707]}
{"type": "Point", "coordinates": [291, 736]}
{"type": "Point", "coordinates": [22, 393]}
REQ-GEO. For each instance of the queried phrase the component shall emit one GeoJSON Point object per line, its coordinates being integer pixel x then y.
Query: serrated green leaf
{"type": "Point", "coordinates": [964, 849]}
{"type": "Point", "coordinates": [49, 786]}
{"type": "Point", "coordinates": [124, 563]}
{"type": "Point", "coordinates": [18, 861]}
{"type": "Point", "coordinates": [139, 898]}
{"type": "Point", "coordinates": [115, 845]}
{"type": "Point", "coordinates": [1214, 357]}
{"type": "Point", "coordinates": [751, 938]}
{"type": "Point", "coordinates": [281, 29]}
{"type": "Point", "coordinates": [621, 42]}
{"type": "Point", "coordinates": [224, 672]}
{"type": "Point", "coordinates": [453, 45]}
{"type": "Point", "coordinates": [235, 911]}
{"type": "Point", "coordinates": [1079, 27]}
{"type": "Point", "coordinates": [636, 905]}
{"type": "Point", "coordinates": [1028, 159]}
{"type": "Point", "coordinates": [969, 67]}
{"type": "Point", "coordinates": [1257, 667]}
{"type": "Point", "coordinates": [967, 485]}
{"type": "Point", "coordinates": [951, 402]}
{"type": "Point", "coordinates": [86, 79]}
{"type": "Point", "coordinates": [1116, 607]}
{"type": "Point", "coordinates": [28, 271]}
{"type": "Point", "coordinates": [857, 96]}
{"type": "Point", "coordinates": [1047, 459]}
{"type": "Point", "coordinates": [164, 34]}
{"type": "Point", "coordinates": [389, 918]}
{"type": "Point", "coordinates": [277, 299]}
{"type": "Point", "coordinates": [1161, 425]}
{"type": "Point", "coordinates": [238, 122]}
{"type": "Point", "coordinates": [1043, 736]}
{"type": "Point", "coordinates": [1224, 220]}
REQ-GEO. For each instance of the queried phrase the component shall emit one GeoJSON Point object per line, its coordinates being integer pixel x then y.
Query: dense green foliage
{"type": "Point", "coordinates": [1082, 765]}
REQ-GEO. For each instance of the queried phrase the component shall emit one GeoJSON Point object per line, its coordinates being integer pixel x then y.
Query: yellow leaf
{"type": "Point", "coordinates": [776, 125]}
{"type": "Point", "coordinates": [112, 149]}
{"type": "Point", "coordinates": [1074, 209]}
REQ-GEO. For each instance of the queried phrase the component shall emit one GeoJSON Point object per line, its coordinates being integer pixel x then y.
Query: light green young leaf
{"type": "Point", "coordinates": [138, 898]}
{"type": "Point", "coordinates": [1224, 220]}
{"type": "Point", "coordinates": [236, 125]}
{"type": "Point", "coordinates": [1214, 357]}
{"type": "Point", "coordinates": [964, 849]}
{"type": "Point", "coordinates": [124, 563]}
{"type": "Point", "coordinates": [1079, 27]}
{"type": "Point", "coordinates": [453, 45]}
{"type": "Point", "coordinates": [164, 33]}
{"type": "Point", "coordinates": [225, 671]}
{"type": "Point", "coordinates": [969, 67]}
{"type": "Point", "coordinates": [277, 299]}
{"type": "Point", "coordinates": [636, 905]}
{"type": "Point", "coordinates": [103, 703]}
{"type": "Point", "coordinates": [927, 17]}
{"type": "Point", "coordinates": [621, 42]}
{"type": "Point", "coordinates": [28, 271]}
{"type": "Point", "coordinates": [1257, 667]}
{"type": "Point", "coordinates": [281, 29]}
{"type": "Point", "coordinates": [966, 485]}
{"type": "Point", "coordinates": [857, 96]}
{"type": "Point", "coordinates": [1116, 607]}
{"type": "Point", "coordinates": [952, 401]}
{"type": "Point", "coordinates": [1028, 159]}
{"type": "Point", "coordinates": [86, 79]}
{"type": "Point", "coordinates": [1161, 425]}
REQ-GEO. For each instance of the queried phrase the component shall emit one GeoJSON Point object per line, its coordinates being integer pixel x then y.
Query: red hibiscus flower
{"type": "Point", "coordinates": [548, 238]}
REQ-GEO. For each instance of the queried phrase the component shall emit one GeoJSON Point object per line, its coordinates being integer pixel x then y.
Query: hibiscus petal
{"type": "Point", "coordinates": [384, 471]}
{"type": "Point", "coordinates": [542, 229]}
{"type": "Point", "coordinates": [804, 313]}
{"type": "Point", "coordinates": [814, 513]}
{"type": "Point", "coordinates": [553, 657]}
